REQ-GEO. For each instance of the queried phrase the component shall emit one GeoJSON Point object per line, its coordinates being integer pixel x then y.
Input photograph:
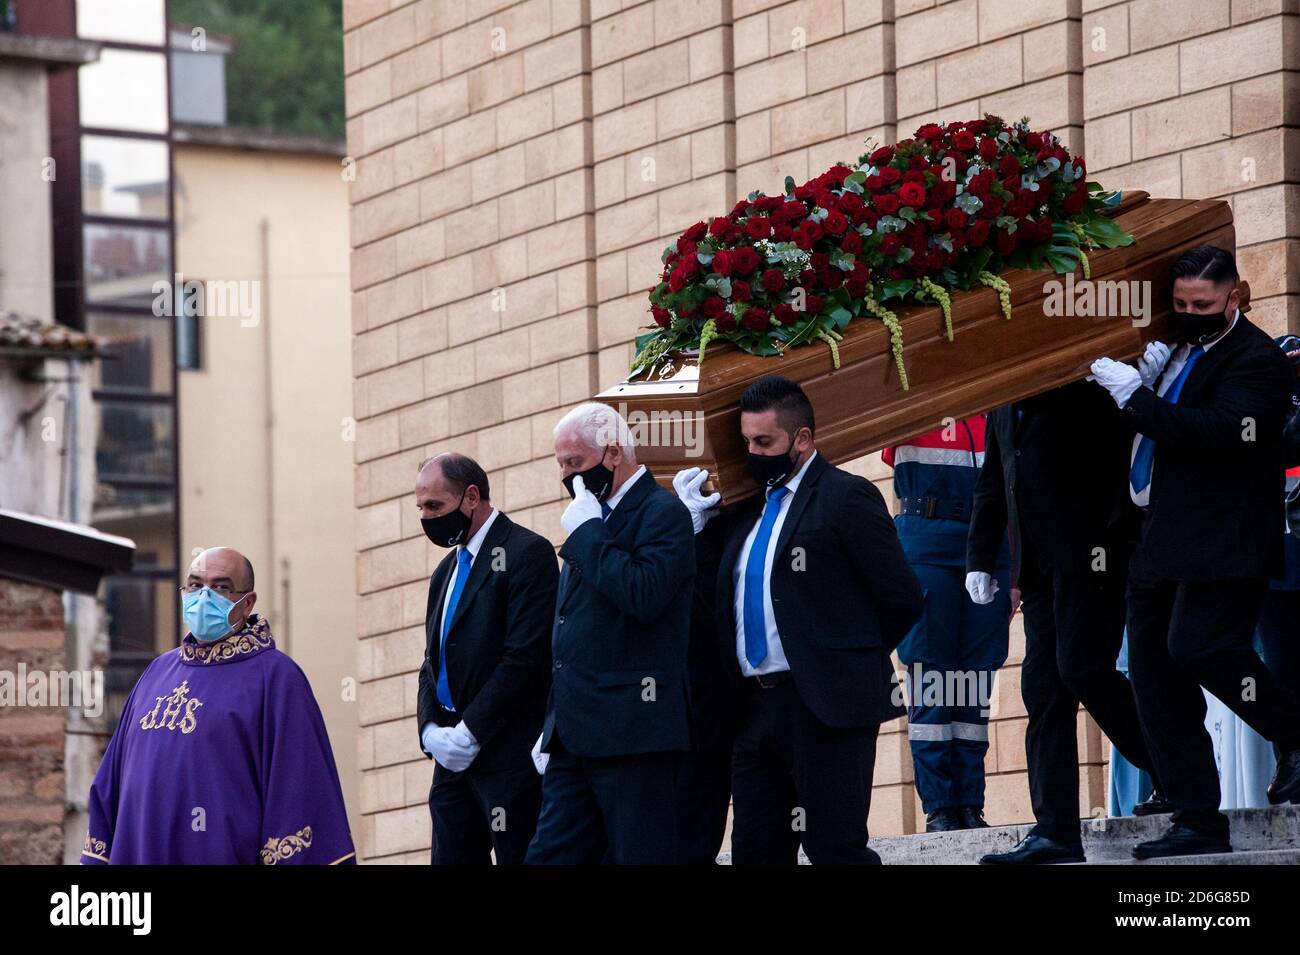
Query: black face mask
{"type": "Point", "coordinates": [447, 530]}
{"type": "Point", "coordinates": [1187, 327]}
{"type": "Point", "coordinates": [597, 479]}
{"type": "Point", "coordinates": [770, 470]}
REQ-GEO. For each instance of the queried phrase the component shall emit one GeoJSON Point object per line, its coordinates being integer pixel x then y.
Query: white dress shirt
{"type": "Point", "coordinates": [775, 659]}
{"type": "Point", "coordinates": [1167, 377]}
{"type": "Point", "coordinates": [623, 489]}
{"type": "Point", "coordinates": [472, 546]}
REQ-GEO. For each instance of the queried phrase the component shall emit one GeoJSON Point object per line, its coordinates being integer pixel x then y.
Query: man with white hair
{"type": "Point", "coordinates": [617, 718]}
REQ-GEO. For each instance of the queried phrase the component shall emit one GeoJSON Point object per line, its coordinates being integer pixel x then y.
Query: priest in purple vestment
{"type": "Point", "coordinates": [221, 755]}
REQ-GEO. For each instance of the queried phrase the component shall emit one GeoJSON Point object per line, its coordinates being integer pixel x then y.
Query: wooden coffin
{"type": "Point", "coordinates": [682, 417]}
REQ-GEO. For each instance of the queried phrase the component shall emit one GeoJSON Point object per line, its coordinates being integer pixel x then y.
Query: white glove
{"type": "Point", "coordinates": [462, 748]}
{"type": "Point", "coordinates": [1153, 362]}
{"type": "Point", "coordinates": [1119, 379]}
{"type": "Point", "coordinates": [582, 509]}
{"type": "Point", "coordinates": [540, 759]}
{"type": "Point", "coordinates": [434, 739]}
{"type": "Point", "coordinates": [981, 586]}
{"type": "Point", "coordinates": [687, 484]}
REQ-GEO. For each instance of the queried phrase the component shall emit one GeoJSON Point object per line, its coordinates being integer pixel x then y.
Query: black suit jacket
{"type": "Point", "coordinates": [498, 655]}
{"type": "Point", "coordinates": [1056, 479]}
{"type": "Point", "coordinates": [843, 594]}
{"type": "Point", "coordinates": [1215, 507]}
{"type": "Point", "coordinates": [621, 628]}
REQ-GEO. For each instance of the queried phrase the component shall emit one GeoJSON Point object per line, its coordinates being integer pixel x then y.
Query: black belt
{"type": "Point", "coordinates": [947, 508]}
{"type": "Point", "coordinates": [767, 681]}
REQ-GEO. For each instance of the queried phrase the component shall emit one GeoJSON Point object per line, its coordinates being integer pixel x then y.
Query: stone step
{"type": "Point", "coordinates": [1253, 831]}
{"type": "Point", "coordinates": [1249, 857]}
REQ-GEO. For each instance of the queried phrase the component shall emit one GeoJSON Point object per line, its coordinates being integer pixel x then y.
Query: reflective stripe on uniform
{"type": "Point", "coordinates": [929, 732]}
{"type": "Point", "coordinates": [955, 457]}
{"type": "Point", "coordinates": [979, 732]}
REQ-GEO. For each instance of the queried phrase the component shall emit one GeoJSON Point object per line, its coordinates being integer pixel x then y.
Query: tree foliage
{"type": "Point", "coordinates": [285, 72]}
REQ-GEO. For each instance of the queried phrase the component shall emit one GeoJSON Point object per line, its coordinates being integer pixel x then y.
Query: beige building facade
{"type": "Point", "coordinates": [265, 426]}
{"type": "Point", "coordinates": [519, 168]}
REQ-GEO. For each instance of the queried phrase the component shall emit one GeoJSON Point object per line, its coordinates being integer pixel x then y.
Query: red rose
{"type": "Point", "coordinates": [758, 227]}
{"type": "Point", "coordinates": [852, 243]}
{"type": "Point", "coordinates": [726, 322]}
{"type": "Point", "coordinates": [964, 140]}
{"type": "Point", "coordinates": [887, 204]}
{"type": "Point", "coordinates": [890, 244]}
{"type": "Point", "coordinates": [755, 319]}
{"type": "Point", "coordinates": [1034, 141]}
{"type": "Point", "coordinates": [794, 211]}
{"type": "Point", "coordinates": [979, 233]}
{"type": "Point", "coordinates": [955, 219]}
{"type": "Point", "coordinates": [1074, 201]}
{"type": "Point", "coordinates": [851, 202]}
{"type": "Point", "coordinates": [661, 316]}
{"type": "Point", "coordinates": [719, 226]}
{"type": "Point", "coordinates": [713, 307]}
{"type": "Point", "coordinates": [746, 260]}
{"type": "Point", "coordinates": [740, 291]}
{"type": "Point", "coordinates": [890, 175]}
{"type": "Point", "coordinates": [819, 261]}
{"type": "Point", "coordinates": [836, 223]}
{"type": "Point", "coordinates": [785, 314]}
{"type": "Point", "coordinates": [802, 240]}
{"type": "Point", "coordinates": [812, 228]}
{"type": "Point", "coordinates": [782, 233]}
{"type": "Point", "coordinates": [1008, 165]}
{"type": "Point", "coordinates": [928, 131]}
{"type": "Point", "coordinates": [773, 281]}
{"type": "Point", "coordinates": [988, 147]}
{"type": "Point", "coordinates": [695, 232]}
{"type": "Point", "coordinates": [813, 304]}
{"type": "Point", "coordinates": [1006, 242]}
{"type": "Point", "coordinates": [723, 262]}
{"type": "Point", "coordinates": [882, 155]}
{"type": "Point", "coordinates": [857, 287]}
{"type": "Point", "coordinates": [914, 175]}
{"type": "Point", "coordinates": [912, 193]}
{"type": "Point", "coordinates": [873, 183]}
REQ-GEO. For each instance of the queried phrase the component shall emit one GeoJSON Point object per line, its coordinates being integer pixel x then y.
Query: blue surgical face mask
{"type": "Point", "coordinates": [207, 614]}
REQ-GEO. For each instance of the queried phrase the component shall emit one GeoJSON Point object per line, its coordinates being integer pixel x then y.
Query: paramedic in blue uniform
{"type": "Point", "coordinates": [957, 646]}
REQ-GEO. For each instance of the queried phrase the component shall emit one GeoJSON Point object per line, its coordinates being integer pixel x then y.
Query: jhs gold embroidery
{"type": "Point", "coordinates": [178, 706]}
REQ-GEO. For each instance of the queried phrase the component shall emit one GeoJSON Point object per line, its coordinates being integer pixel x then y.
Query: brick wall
{"type": "Point", "coordinates": [520, 167]}
{"type": "Point", "coordinates": [32, 800]}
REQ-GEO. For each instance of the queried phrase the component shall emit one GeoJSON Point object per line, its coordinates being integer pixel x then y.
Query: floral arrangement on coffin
{"type": "Point", "coordinates": [952, 206]}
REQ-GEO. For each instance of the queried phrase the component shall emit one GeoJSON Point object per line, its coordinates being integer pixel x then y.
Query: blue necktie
{"type": "Point", "coordinates": [463, 560]}
{"type": "Point", "coordinates": [1144, 460]}
{"type": "Point", "coordinates": [604, 510]}
{"type": "Point", "coordinates": [755, 617]}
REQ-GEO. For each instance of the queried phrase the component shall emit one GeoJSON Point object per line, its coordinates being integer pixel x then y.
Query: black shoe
{"type": "Point", "coordinates": [946, 819]}
{"type": "Point", "coordinates": [973, 817]}
{"type": "Point", "coordinates": [1285, 786]}
{"type": "Point", "coordinates": [1153, 805]}
{"type": "Point", "coordinates": [1181, 840]}
{"type": "Point", "coordinates": [1035, 850]}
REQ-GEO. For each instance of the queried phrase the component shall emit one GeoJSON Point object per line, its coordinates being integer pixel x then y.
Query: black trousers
{"type": "Point", "coordinates": [476, 813]}
{"type": "Point", "coordinates": [1184, 635]}
{"type": "Point", "coordinates": [613, 809]}
{"type": "Point", "coordinates": [795, 781]}
{"type": "Point", "coordinates": [1074, 628]}
{"type": "Point", "coordinates": [703, 798]}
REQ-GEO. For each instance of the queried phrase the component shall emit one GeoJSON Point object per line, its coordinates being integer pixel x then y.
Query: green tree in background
{"type": "Point", "coordinates": [285, 72]}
